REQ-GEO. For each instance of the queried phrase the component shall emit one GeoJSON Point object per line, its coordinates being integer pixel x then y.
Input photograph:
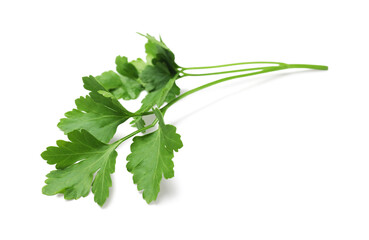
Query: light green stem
{"type": "Point", "coordinates": [215, 73]}
{"type": "Point", "coordinates": [118, 142]}
{"type": "Point", "coordinates": [231, 64]}
{"type": "Point", "coordinates": [264, 70]}
{"type": "Point", "coordinates": [281, 66]}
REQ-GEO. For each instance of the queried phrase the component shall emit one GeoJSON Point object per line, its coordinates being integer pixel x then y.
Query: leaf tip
{"type": "Point", "coordinates": [100, 202]}
{"type": "Point", "coordinates": [46, 191]}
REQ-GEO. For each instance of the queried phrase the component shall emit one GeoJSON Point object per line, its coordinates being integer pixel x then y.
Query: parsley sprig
{"type": "Point", "coordinates": [86, 162]}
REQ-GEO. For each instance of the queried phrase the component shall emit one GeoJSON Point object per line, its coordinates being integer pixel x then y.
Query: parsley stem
{"type": "Point", "coordinates": [232, 64]}
{"type": "Point", "coordinates": [309, 66]}
{"type": "Point", "coordinates": [264, 70]}
{"type": "Point", "coordinates": [215, 73]}
{"type": "Point", "coordinates": [118, 142]}
{"type": "Point", "coordinates": [283, 65]}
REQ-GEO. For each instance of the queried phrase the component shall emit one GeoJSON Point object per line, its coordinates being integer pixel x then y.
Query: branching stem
{"type": "Point", "coordinates": [118, 142]}
{"type": "Point", "coordinates": [261, 70]}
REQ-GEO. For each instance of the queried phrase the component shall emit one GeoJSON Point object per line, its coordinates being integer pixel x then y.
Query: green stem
{"type": "Point", "coordinates": [232, 64]}
{"type": "Point", "coordinates": [316, 67]}
{"type": "Point", "coordinates": [215, 73]}
{"type": "Point", "coordinates": [262, 70]}
{"type": "Point", "coordinates": [270, 69]}
{"type": "Point", "coordinates": [282, 66]}
{"type": "Point", "coordinates": [265, 70]}
{"type": "Point", "coordinates": [118, 142]}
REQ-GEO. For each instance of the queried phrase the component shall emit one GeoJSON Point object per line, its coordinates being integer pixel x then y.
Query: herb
{"type": "Point", "coordinates": [87, 160]}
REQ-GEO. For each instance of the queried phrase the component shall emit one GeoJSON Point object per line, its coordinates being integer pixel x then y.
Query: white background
{"type": "Point", "coordinates": [280, 156]}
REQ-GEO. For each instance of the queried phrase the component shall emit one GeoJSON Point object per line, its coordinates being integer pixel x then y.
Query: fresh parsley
{"type": "Point", "coordinates": [86, 161]}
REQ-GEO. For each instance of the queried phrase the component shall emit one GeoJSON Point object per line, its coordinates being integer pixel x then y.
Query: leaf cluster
{"type": "Point", "coordinates": [86, 161]}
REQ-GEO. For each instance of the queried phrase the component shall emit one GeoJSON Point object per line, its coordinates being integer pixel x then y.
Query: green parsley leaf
{"type": "Point", "coordinates": [125, 68]}
{"type": "Point", "coordinates": [163, 66]}
{"type": "Point", "coordinates": [109, 80]}
{"type": "Point", "coordinates": [157, 51]}
{"type": "Point", "coordinates": [120, 86]}
{"type": "Point", "coordinates": [155, 76]}
{"type": "Point", "coordinates": [139, 64]}
{"type": "Point", "coordinates": [77, 161]}
{"type": "Point", "coordinates": [129, 89]}
{"type": "Point", "coordinates": [151, 158]}
{"type": "Point", "coordinates": [125, 84]}
{"type": "Point", "coordinates": [157, 97]}
{"type": "Point", "coordinates": [173, 93]}
{"type": "Point", "coordinates": [98, 114]}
